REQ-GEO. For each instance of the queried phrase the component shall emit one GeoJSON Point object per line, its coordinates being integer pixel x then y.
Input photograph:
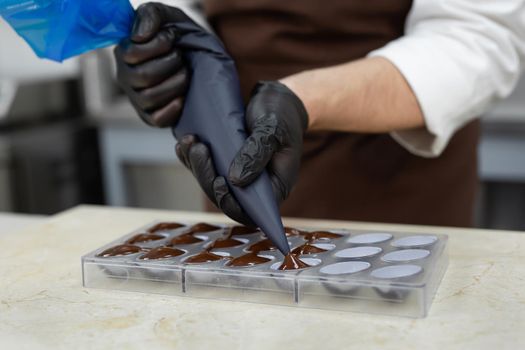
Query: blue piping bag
{"type": "Point", "coordinates": [59, 29]}
{"type": "Point", "coordinates": [214, 111]}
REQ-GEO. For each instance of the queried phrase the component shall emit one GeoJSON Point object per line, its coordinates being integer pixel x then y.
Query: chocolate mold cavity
{"type": "Point", "coordinates": [294, 263]}
{"type": "Point", "coordinates": [405, 255]}
{"type": "Point", "coordinates": [358, 252]}
{"type": "Point", "coordinates": [120, 250]}
{"type": "Point", "coordinates": [241, 230]}
{"type": "Point", "coordinates": [321, 235]}
{"type": "Point", "coordinates": [203, 257]}
{"type": "Point", "coordinates": [165, 226]}
{"type": "Point", "coordinates": [144, 238]}
{"type": "Point", "coordinates": [313, 248]}
{"type": "Point", "coordinates": [249, 260]}
{"type": "Point", "coordinates": [186, 238]}
{"type": "Point", "coordinates": [160, 253]}
{"type": "Point", "coordinates": [370, 238]}
{"type": "Point", "coordinates": [414, 241]}
{"type": "Point", "coordinates": [202, 227]}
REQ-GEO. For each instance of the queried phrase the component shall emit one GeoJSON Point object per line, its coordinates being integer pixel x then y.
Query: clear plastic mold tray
{"type": "Point", "coordinates": [364, 271]}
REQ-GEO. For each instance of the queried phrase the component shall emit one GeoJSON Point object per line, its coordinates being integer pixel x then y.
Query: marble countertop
{"type": "Point", "coordinates": [479, 305]}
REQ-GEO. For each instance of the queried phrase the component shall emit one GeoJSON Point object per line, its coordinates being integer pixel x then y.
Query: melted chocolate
{"type": "Point", "coordinates": [312, 236]}
{"type": "Point", "coordinates": [307, 249]}
{"type": "Point", "coordinates": [163, 226]}
{"type": "Point", "coordinates": [290, 231]}
{"type": "Point", "coordinates": [144, 237]}
{"type": "Point", "coordinates": [162, 253]}
{"type": "Point", "coordinates": [225, 243]}
{"type": "Point", "coordinates": [240, 230]}
{"type": "Point", "coordinates": [250, 259]}
{"type": "Point", "coordinates": [262, 246]}
{"type": "Point", "coordinates": [203, 227]}
{"type": "Point", "coordinates": [186, 238]}
{"type": "Point", "coordinates": [120, 250]}
{"type": "Point", "coordinates": [203, 257]}
{"type": "Point", "coordinates": [292, 262]}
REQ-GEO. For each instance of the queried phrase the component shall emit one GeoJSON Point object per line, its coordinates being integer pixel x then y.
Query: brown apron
{"type": "Point", "coordinates": [363, 177]}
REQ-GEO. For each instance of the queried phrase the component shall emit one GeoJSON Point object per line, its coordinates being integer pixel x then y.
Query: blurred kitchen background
{"type": "Point", "coordinates": [69, 136]}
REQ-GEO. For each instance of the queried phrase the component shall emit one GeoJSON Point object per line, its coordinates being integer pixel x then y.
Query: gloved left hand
{"type": "Point", "coordinates": [275, 121]}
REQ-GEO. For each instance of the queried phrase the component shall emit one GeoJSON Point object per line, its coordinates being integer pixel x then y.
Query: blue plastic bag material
{"type": "Point", "coordinates": [60, 29]}
{"type": "Point", "coordinates": [214, 111]}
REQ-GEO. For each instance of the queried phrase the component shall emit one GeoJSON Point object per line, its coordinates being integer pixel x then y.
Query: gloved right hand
{"type": "Point", "coordinates": [150, 68]}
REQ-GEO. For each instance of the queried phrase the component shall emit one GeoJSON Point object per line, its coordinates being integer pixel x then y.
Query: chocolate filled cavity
{"type": "Point", "coordinates": [261, 246]}
{"type": "Point", "coordinates": [249, 259]}
{"type": "Point", "coordinates": [292, 262]}
{"type": "Point", "coordinates": [165, 226]}
{"type": "Point", "coordinates": [308, 248]}
{"type": "Point", "coordinates": [186, 238]}
{"type": "Point", "coordinates": [241, 230]}
{"type": "Point", "coordinates": [225, 243]}
{"type": "Point", "coordinates": [120, 250]}
{"type": "Point", "coordinates": [203, 227]}
{"type": "Point", "coordinates": [144, 237]}
{"type": "Point", "coordinates": [290, 231]}
{"type": "Point", "coordinates": [312, 236]}
{"type": "Point", "coordinates": [162, 253]}
{"type": "Point", "coordinates": [203, 257]}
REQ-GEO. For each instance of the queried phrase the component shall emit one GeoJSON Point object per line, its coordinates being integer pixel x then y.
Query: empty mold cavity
{"type": "Point", "coordinates": [358, 252]}
{"type": "Point", "coordinates": [396, 271]}
{"type": "Point", "coordinates": [370, 238]}
{"type": "Point", "coordinates": [414, 241]}
{"type": "Point", "coordinates": [345, 268]}
{"type": "Point", "coordinates": [406, 255]}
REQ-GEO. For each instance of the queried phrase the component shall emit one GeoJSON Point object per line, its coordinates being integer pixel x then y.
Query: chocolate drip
{"type": "Point", "coordinates": [162, 253]}
{"type": "Point", "coordinates": [120, 250]}
{"type": "Point", "coordinates": [203, 257]}
{"type": "Point", "coordinates": [240, 230]}
{"type": "Point", "coordinates": [312, 236]}
{"type": "Point", "coordinates": [225, 243]}
{"type": "Point", "coordinates": [163, 226]}
{"type": "Point", "coordinates": [250, 259]}
{"type": "Point", "coordinates": [261, 246]}
{"type": "Point", "coordinates": [292, 262]}
{"type": "Point", "coordinates": [203, 227]}
{"type": "Point", "coordinates": [144, 237]}
{"type": "Point", "coordinates": [186, 238]}
{"type": "Point", "coordinates": [308, 249]}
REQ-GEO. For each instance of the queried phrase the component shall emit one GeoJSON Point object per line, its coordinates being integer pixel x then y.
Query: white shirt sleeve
{"type": "Point", "coordinates": [458, 56]}
{"type": "Point", "coordinates": [191, 7]}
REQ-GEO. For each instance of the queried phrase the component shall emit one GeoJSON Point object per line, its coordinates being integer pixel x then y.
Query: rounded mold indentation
{"type": "Point", "coordinates": [370, 238]}
{"type": "Point", "coordinates": [249, 260]}
{"type": "Point", "coordinates": [345, 268]}
{"type": "Point", "coordinates": [292, 231]}
{"type": "Point", "coordinates": [203, 227]}
{"type": "Point", "coordinates": [358, 252]}
{"type": "Point", "coordinates": [404, 255]}
{"type": "Point", "coordinates": [313, 248]}
{"type": "Point", "coordinates": [186, 238]}
{"type": "Point", "coordinates": [161, 253]}
{"type": "Point", "coordinates": [320, 236]}
{"type": "Point", "coordinates": [264, 245]}
{"type": "Point", "coordinates": [120, 250]}
{"type": "Point", "coordinates": [414, 241]}
{"type": "Point", "coordinates": [311, 262]}
{"type": "Point", "coordinates": [241, 230]}
{"type": "Point", "coordinates": [142, 238]}
{"type": "Point", "coordinates": [205, 257]}
{"type": "Point", "coordinates": [165, 226]}
{"type": "Point", "coordinates": [228, 242]}
{"type": "Point", "coordinates": [396, 271]}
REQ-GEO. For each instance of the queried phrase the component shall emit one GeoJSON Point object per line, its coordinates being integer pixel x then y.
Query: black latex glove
{"type": "Point", "coordinates": [275, 121]}
{"type": "Point", "coordinates": [150, 68]}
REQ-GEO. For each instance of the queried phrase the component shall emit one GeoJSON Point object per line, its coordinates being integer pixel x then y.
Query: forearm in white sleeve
{"type": "Point", "coordinates": [191, 7]}
{"type": "Point", "coordinates": [458, 56]}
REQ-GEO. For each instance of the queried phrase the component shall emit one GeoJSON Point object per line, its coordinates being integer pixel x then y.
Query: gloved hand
{"type": "Point", "coordinates": [150, 68]}
{"type": "Point", "coordinates": [275, 121]}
